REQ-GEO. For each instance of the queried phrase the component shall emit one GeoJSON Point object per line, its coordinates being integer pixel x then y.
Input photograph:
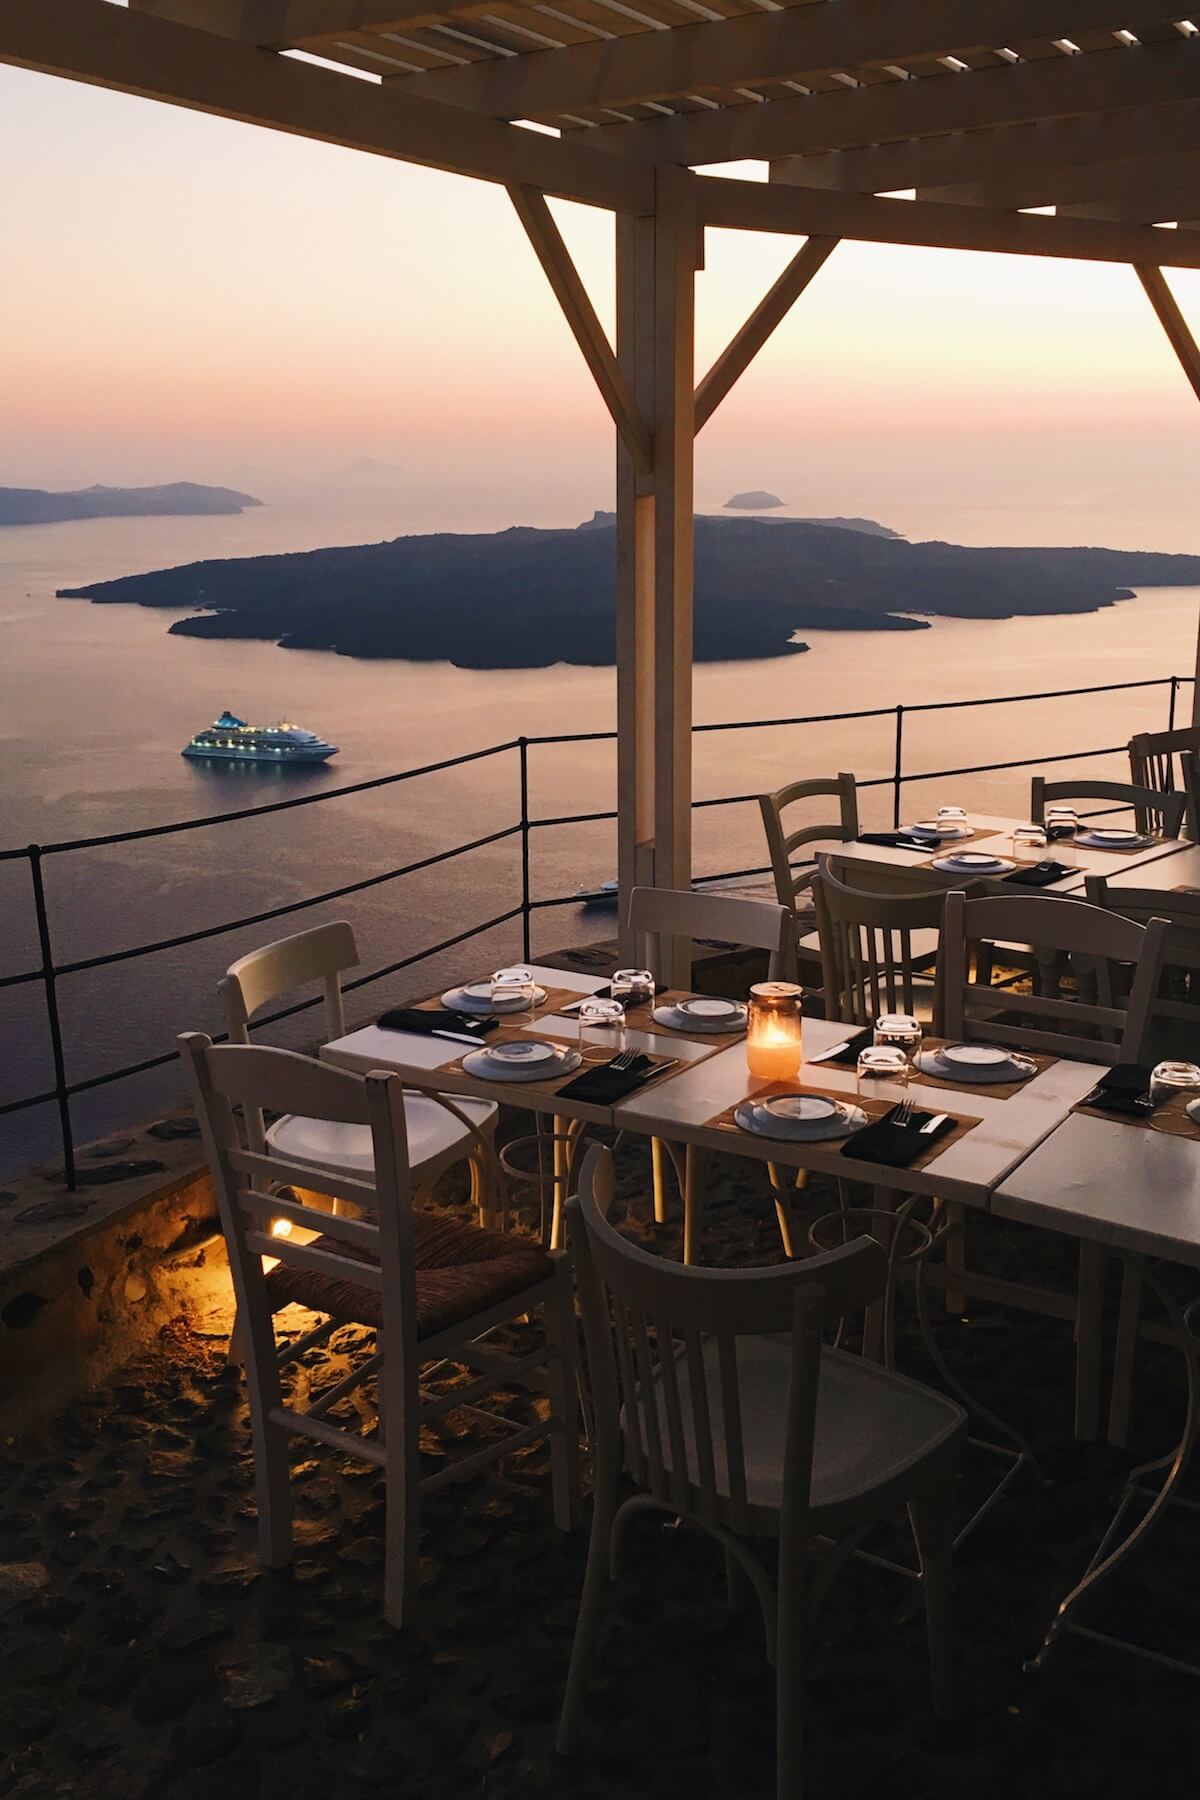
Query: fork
{"type": "Point", "coordinates": [903, 1113]}
{"type": "Point", "coordinates": [625, 1060]}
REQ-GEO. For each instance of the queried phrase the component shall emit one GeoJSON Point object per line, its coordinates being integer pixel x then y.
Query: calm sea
{"type": "Point", "coordinates": [96, 702]}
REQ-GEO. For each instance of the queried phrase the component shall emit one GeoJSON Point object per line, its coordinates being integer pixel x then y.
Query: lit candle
{"type": "Point", "coordinates": [774, 1031]}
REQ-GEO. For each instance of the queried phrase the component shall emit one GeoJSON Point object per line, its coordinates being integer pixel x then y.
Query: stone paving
{"type": "Point", "coordinates": [144, 1652]}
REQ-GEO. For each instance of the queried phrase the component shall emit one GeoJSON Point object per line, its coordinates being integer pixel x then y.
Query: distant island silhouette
{"type": "Point", "coordinates": [527, 598]}
{"type": "Point", "coordinates": [757, 500]}
{"type": "Point", "coordinates": [40, 506]}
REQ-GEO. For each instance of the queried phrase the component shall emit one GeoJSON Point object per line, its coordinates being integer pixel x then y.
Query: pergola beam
{"type": "Point", "coordinates": [1059, 87]}
{"type": "Point", "coordinates": [770, 312]}
{"type": "Point", "coordinates": [1132, 180]}
{"type": "Point", "coordinates": [762, 47]}
{"type": "Point", "coordinates": [285, 24]}
{"type": "Point", "coordinates": [1005, 152]}
{"type": "Point", "coordinates": [775, 206]}
{"type": "Point", "coordinates": [109, 46]}
{"type": "Point", "coordinates": [580, 314]}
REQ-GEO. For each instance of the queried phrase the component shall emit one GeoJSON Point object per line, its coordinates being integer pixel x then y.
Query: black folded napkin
{"type": "Point", "coordinates": [605, 993]}
{"type": "Point", "coordinates": [848, 1057]}
{"type": "Point", "coordinates": [424, 1021]}
{"type": "Point", "coordinates": [897, 1145]}
{"type": "Point", "coordinates": [1124, 1089]}
{"type": "Point", "coordinates": [1041, 875]}
{"type": "Point", "coordinates": [604, 1084]}
{"type": "Point", "coordinates": [899, 840]}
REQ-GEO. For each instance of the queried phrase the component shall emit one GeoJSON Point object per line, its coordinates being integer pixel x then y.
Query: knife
{"type": "Point", "coordinates": [460, 1037]}
{"type": "Point", "coordinates": [931, 1125]}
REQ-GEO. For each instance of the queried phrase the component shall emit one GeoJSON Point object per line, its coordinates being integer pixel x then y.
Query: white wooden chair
{"type": "Point", "coordinates": [1152, 810]}
{"type": "Point", "coordinates": [759, 924]}
{"type": "Point", "coordinates": [1152, 757]}
{"type": "Point", "coordinates": [969, 1011]}
{"type": "Point", "coordinates": [874, 946]}
{"type": "Point", "coordinates": [437, 1138]}
{"type": "Point", "coordinates": [715, 1397]}
{"type": "Point", "coordinates": [785, 837]}
{"type": "Point", "coordinates": [429, 1285]}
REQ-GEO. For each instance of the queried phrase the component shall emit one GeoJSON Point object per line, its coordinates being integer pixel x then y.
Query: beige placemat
{"type": "Point", "coordinates": [991, 1090]}
{"type": "Point", "coordinates": [1171, 1117]}
{"type": "Point", "coordinates": [553, 1083]}
{"type": "Point", "coordinates": [641, 1018]}
{"type": "Point", "coordinates": [556, 999]}
{"type": "Point", "coordinates": [874, 1109]}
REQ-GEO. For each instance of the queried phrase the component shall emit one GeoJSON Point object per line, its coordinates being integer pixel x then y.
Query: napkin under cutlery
{"type": "Point", "coordinates": [1041, 875]}
{"type": "Point", "coordinates": [898, 1145]}
{"type": "Point", "coordinates": [603, 1084]}
{"type": "Point", "coordinates": [846, 1053]}
{"type": "Point", "coordinates": [899, 840]}
{"type": "Point", "coordinates": [1123, 1089]}
{"type": "Point", "coordinates": [438, 1022]}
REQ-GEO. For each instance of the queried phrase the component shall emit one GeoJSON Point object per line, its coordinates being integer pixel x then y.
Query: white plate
{"type": "Point", "coordinates": [973, 862]}
{"type": "Point", "coordinates": [476, 997]}
{"type": "Point", "coordinates": [1114, 840]}
{"type": "Point", "coordinates": [535, 1060]}
{"type": "Point", "coordinates": [943, 833]}
{"type": "Point", "coordinates": [701, 1015]}
{"type": "Point", "coordinates": [800, 1118]}
{"type": "Point", "coordinates": [973, 1062]}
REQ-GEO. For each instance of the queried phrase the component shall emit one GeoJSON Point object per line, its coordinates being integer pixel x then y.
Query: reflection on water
{"type": "Point", "coordinates": [95, 703]}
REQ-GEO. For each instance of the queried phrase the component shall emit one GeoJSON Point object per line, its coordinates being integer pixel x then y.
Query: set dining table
{"type": "Point", "coordinates": [1026, 1150]}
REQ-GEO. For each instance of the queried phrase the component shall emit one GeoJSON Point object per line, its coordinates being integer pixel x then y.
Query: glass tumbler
{"type": "Point", "coordinates": [632, 987]}
{"type": "Point", "coordinates": [601, 1029]}
{"type": "Point", "coordinates": [513, 990]}
{"type": "Point", "coordinates": [900, 1030]}
{"type": "Point", "coordinates": [881, 1062]}
{"type": "Point", "coordinates": [1169, 1078]}
{"type": "Point", "coordinates": [1029, 843]}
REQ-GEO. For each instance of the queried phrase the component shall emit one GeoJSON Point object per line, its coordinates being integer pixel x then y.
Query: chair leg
{"type": "Point", "coordinates": [562, 1338]}
{"type": "Point", "coordinates": [658, 1161]}
{"type": "Point", "coordinates": [932, 1517]}
{"type": "Point", "coordinates": [783, 1207]}
{"type": "Point", "coordinates": [956, 1258]}
{"type": "Point", "coordinates": [1120, 1406]}
{"type": "Point", "coordinates": [695, 1163]}
{"type": "Point", "coordinates": [1088, 1320]}
{"type": "Point", "coordinates": [399, 1406]}
{"type": "Point", "coordinates": [791, 1645]}
{"type": "Point", "coordinates": [589, 1623]}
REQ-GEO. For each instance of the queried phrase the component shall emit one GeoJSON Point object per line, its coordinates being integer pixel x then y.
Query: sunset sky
{"type": "Point", "coordinates": [188, 298]}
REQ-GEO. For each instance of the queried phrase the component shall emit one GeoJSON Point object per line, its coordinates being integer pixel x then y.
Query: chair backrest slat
{"type": "Point", "coordinates": [867, 965]}
{"type": "Point", "coordinates": [782, 842]}
{"type": "Point", "coordinates": [1053, 924]}
{"type": "Point", "coordinates": [676, 1415]}
{"type": "Point", "coordinates": [1152, 764]}
{"type": "Point", "coordinates": [1181, 912]}
{"type": "Point", "coordinates": [1152, 809]}
{"type": "Point", "coordinates": [730, 919]}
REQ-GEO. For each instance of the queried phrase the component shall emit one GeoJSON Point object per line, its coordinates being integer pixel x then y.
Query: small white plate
{"type": "Point", "coordinates": [701, 1014]}
{"type": "Point", "coordinates": [532, 1060]}
{"type": "Point", "coordinates": [973, 1062]}
{"type": "Point", "coordinates": [943, 833]}
{"type": "Point", "coordinates": [476, 997]}
{"type": "Point", "coordinates": [1114, 840]}
{"type": "Point", "coordinates": [973, 862]}
{"type": "Point", "coordinates": [802, 1118]}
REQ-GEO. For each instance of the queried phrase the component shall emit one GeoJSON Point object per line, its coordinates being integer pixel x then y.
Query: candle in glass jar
{"type": "Point", "coordinates": [774, 1031]}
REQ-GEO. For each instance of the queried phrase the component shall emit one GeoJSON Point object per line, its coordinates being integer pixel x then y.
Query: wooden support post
{"type": "Point", "coordinates": [1179, 336]}
{"type": "Point", "coordinates": [657, 257]}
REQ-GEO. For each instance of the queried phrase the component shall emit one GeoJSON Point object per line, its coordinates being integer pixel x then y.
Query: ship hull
{"type": "Point", "coordinates": [207, 753]}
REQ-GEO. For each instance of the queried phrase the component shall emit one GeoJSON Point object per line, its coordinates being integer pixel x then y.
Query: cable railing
{"type": "Point", "coordinates": [50, 972]}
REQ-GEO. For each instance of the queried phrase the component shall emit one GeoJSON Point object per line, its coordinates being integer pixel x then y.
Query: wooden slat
{"type": "Point", "coordinates": [1179, 334]}
{"type": "Point", "coordinates": [278, 24]}
{"type": "Point", "coordinates": [1135, 180]}
{"type": "Point", "coordinates": [797, 43]}
{"type": "Point", "coordinates": [109, 46]}
{"type": "Point", "coordinates": [1058, 88]}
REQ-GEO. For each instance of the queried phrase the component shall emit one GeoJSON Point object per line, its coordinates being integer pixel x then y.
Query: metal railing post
{"type": "Point", "coordinates": [898, 768]}
{"type": "Point", "coordinates": [523, 756]}
{"type": "Point", "coordinates": [1171, 708]}
{"type": "Point", "coordinates": [49, 981]}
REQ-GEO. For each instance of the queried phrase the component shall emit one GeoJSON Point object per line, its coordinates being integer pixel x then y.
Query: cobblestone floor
{"type": "Point", "coordinates": [144, 1652]}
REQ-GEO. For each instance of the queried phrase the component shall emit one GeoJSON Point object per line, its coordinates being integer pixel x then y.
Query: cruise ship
{"type": "Point", "coordinates": [233, 740]}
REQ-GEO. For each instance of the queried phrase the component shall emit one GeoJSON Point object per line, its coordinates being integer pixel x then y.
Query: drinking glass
{"type": "Point", "coordinates": [953, 816]}
{"type": "Point", "coordinates": [1029, 842]}
{"type": "Point", "coordinates": [900, 1030]}
{"type": "Point", "coordinates": [1061, 822]}
{"type": "Point", "coordinates": [882, 1062]}
{"type": "Point", "coordinates": [632, 987]}
{"type": "Point", "coordinates": [601, 1029]}
{"type": "Point", "coordinates": [1169, 1078]}
{"type": "Point", "coordinates": [513, 990]}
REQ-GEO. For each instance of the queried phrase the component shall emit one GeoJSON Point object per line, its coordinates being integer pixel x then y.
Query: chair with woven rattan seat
{"type": "Point", "coordinates": [432, 1288]}
{"type": "Point", "coordinates": [438, 1137]}
{"type": "Point", "coordinates": [1152, 757]}
{"type": "Point", "coordinates": [715, 1396]}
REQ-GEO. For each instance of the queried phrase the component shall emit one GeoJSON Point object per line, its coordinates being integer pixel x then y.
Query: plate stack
{"type": "Point", "coordinates": [974, 1062]}
{"type": "Point", "coordinates": [801, 1118]}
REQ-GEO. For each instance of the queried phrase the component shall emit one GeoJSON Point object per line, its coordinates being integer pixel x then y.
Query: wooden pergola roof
{"type": "Point", "coordinates": [984, 107]}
